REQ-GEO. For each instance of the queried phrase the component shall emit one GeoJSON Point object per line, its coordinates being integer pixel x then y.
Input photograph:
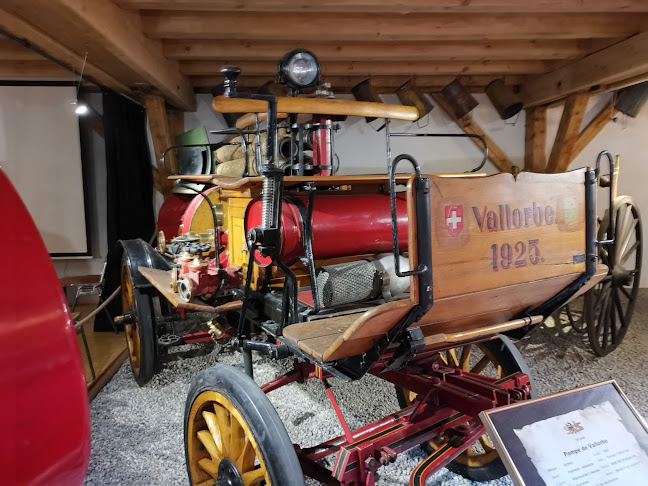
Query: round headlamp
{"type": "Point", "coordinates": [299, 69]}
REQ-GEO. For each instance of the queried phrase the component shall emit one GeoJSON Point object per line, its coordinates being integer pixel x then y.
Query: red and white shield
{"type": "Point", "coordinates": [454, 219]}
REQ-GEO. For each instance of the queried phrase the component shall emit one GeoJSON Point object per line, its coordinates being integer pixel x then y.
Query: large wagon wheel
{"type": "Point", "coordinates": [140, 332]}
{"type": "Point", "coordinates": [233, 435]}
{"type": "Point", "coordinates": [610, 304]}
{"type": "Point", "coordinates": [496, 358]}
{"type": "Point", "coordinates": [575, 312]}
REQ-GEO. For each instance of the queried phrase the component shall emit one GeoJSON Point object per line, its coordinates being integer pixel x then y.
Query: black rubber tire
{"type": "Point", "coordinates": [149, 364]}
{"type": "Point", "coordinates": [511, 361]}
{"type": "Point", "coordinates": [145, 326]}
{"type": "Point", "coordinates": [261, 418]}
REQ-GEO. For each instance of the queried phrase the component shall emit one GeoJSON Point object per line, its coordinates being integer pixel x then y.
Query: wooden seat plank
{"type": "Point", "coordinates": [322, 327]}
{"type": "Point", "coordinates": [351, 335]}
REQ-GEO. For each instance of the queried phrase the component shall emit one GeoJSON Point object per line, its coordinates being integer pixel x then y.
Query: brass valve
{"type": "Point", "coordinates": [214, 331]}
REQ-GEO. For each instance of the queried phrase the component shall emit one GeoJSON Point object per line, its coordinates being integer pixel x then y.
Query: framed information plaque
{"type": "Point", "coordinates": [588, 436]}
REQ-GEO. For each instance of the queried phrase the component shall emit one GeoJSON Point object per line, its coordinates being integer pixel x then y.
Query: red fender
{"type": "Point", "coordinates": [44, 413]}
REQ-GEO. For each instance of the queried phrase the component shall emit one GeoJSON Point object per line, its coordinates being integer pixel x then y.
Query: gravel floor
{"type": "Point", "coordinates": [137, 432]}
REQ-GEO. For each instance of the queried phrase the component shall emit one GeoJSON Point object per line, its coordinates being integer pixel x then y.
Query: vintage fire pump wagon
{"type": "Point", "coordinates": [414, 278]}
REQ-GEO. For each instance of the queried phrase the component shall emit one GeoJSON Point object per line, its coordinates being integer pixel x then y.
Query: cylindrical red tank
{"type": "Point", "coordinates": [343, 225]}
{"type": "Point", "coordinates": [170, 215]}
{"type": "Point", "coordinates": [321, 142]}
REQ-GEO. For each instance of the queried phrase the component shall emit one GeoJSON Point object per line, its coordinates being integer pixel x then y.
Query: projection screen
{"type": "Point", "coordinates": [40, 152]}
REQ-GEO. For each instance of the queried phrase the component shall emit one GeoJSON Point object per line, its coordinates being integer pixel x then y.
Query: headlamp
{"type": "Point", "coordinates": [299, 69]}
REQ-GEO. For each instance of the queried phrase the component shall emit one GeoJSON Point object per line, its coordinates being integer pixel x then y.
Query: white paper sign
{"type": "Point", "coordinates": [588, 447]}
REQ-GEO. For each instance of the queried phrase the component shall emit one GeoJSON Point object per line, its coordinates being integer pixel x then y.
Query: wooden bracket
{"type": "Point", "coordinates": [535, 142]}
{"type": "Point", "coordinates": [595, 127]}
{"type": "Point", "coordinates": [568, 131]}
{"type": "Point", "coordinates": [164, 125]}
{"type": "Point", "coordinates": [495, 153]}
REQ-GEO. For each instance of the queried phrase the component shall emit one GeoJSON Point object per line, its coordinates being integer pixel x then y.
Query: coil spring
{"type": "Point", "coordinates": [268, 202]}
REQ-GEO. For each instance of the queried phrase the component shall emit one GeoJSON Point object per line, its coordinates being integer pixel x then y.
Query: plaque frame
{"type": "Point", "coordinates": [500, 422]}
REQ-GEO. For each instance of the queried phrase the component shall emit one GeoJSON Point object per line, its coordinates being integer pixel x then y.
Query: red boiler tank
{"type": "Point", "coordinates": [343, 225]}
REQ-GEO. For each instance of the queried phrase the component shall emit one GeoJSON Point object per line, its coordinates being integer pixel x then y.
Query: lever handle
{"type": "Point", "coordinates": [231, 74]}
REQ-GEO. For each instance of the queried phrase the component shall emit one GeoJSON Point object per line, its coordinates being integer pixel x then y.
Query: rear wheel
{"type": "Point", "coordinates": [575, 312]}
{"type": "Point", "coordinates": [140, 332]}
{"type": "Point", "coordinates": [233, 435]}
{"type": "Point", "coordinates": [610, 304]}
{"type": "Point", "coordinates": [496, 358]}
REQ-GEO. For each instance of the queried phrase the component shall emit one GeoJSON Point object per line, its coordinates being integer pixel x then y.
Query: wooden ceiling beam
{"type": "Point", "coordinates": [206, 49]}
{"type": "Point", "coordinates": [376, 26]}
{"type": "Point", "coordinates": [203, 68]}
{"type": "Point", "coordinates": [41, 70]}
{"type": "Point", "coordinates": [401, 6]}
{"type": "Point", "coordinates": [382, 83]}
{"type": "Point", "coordinates": [26, 31]}
{"type": "Point", "coordinates": [112, 38]}
{"type": "Point", "coordinates": [619, 62]}
{"type": "Point", "coordinates": [12, 51]}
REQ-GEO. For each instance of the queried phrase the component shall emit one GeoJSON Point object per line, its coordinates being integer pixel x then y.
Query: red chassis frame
{"type": "Point", "coordinates": [44, 412]}
{"type": "Point", "coordinates": [448, 404]}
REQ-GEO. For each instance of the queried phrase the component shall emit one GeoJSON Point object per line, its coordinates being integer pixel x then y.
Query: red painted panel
{"type": "Point", "coordinates": [44, 413]}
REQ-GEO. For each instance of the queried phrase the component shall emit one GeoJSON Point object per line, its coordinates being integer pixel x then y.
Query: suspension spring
{"type": "Point", "coordinates": [268, 202]}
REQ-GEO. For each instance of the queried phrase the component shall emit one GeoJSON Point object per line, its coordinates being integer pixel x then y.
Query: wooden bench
{"type": "Point", "coordinates": [500, 245]}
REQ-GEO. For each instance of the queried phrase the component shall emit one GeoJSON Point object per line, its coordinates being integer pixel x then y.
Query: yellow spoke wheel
{"type": "Point", "coordinates": [233, 435]}
{"type": "Point", "coordinates": [496, 358]}
{"type": "Point", "coordinates": [140, 335]}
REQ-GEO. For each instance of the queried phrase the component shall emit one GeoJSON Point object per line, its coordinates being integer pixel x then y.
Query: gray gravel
{"type": "Point", "coordinates": [137, 432]}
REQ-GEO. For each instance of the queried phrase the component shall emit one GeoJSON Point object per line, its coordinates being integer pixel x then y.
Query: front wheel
{"type": "Point", "coordinates": [141, 339]}
{"type": "Point", "coordinates": [496, 358]}
{"type": "Point", "coordinates": [233, 435]}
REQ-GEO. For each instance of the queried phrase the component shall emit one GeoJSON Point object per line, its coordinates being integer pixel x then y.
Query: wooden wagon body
{"type": "Point", "coordinates": [483, 256]}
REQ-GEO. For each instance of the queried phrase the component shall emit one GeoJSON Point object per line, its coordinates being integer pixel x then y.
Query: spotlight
{"type": "Point", "coordinates": [299, 69]}
{"type": "Point", "coordinates": [79, 108]}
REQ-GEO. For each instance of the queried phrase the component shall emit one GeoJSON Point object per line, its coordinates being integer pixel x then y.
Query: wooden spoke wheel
{"type": "Point", "coordinates": [140, 332]}
{"type": "Point", "coordinates": [575, 312]}
{"type": "Point", "coordinates": [496, 358]}
{"type": "Point", "coordinates": [233, 435]}
{"type": "Point", "coordinates": [610, 304]}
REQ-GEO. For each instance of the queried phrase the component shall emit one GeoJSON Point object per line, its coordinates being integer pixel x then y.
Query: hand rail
{"type": "Point", "coordinates": [394, 217]}
{"type": "Point", "coordinates": [317, 106]}
{"type": "Point", "coordinates": [613, 173]}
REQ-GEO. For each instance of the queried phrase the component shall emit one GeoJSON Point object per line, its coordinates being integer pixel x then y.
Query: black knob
{"type": "Point", "coordinates": [231, 74]}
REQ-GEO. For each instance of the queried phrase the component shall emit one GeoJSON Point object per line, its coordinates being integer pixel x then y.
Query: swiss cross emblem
{"type": "Point", "coordinates": [454, 219]}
